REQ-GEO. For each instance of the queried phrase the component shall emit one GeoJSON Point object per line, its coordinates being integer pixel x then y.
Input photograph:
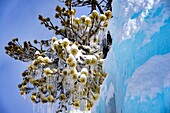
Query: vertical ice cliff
{"type": "Point", "coordinates": [138, 63]}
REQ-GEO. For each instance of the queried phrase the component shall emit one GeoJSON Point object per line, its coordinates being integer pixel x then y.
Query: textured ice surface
{"type": "Point", "coordinates": [138, 64]}
{"type": "Point", "coordinates": [150, 78]}
{"type": "Point", "coordinates": [148, 86]}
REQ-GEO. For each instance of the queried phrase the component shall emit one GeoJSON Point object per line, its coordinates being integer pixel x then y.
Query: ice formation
{"type": "Point", "coordinates": [138, 63]}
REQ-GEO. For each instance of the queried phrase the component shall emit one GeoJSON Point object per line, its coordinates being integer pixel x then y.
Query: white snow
{"type": "Point", "coordinates": [150, 78]}
{"type": "Point", "coordinates": [132, 16]}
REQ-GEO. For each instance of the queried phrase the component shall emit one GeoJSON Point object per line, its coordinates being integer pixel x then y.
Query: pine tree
{"type": "Point", "coordinates": [66, 70]}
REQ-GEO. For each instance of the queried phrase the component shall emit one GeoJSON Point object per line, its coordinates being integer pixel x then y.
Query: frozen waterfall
{"type": "Point", "coordinates": [138, 63]}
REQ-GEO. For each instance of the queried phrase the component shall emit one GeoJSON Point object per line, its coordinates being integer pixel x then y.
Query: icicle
{"type": "Point", "coordinates": [25, 97]}
{"type": "Point", "coordinates": [48, 108]}
{"type": "Point", "coordinates": [38, 108]}
{"type": "Point", "coordinates": [33, 107]}
{"type": "Point", "coordinates": [53, 108]}
{"type": "Point", "coordinates": [42, 108]}
{"type": "Point", "coordinates": [103, 38]}
{"type": "Point", "coordinates": [78, 111]}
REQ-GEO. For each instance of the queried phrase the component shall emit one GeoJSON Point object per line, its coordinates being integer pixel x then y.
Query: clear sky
{"type": "Point", "coordinates": [18, 18]}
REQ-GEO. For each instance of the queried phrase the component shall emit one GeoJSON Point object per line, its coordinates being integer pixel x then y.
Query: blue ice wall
{"type": "Point", "coordinates": [137, 64]}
